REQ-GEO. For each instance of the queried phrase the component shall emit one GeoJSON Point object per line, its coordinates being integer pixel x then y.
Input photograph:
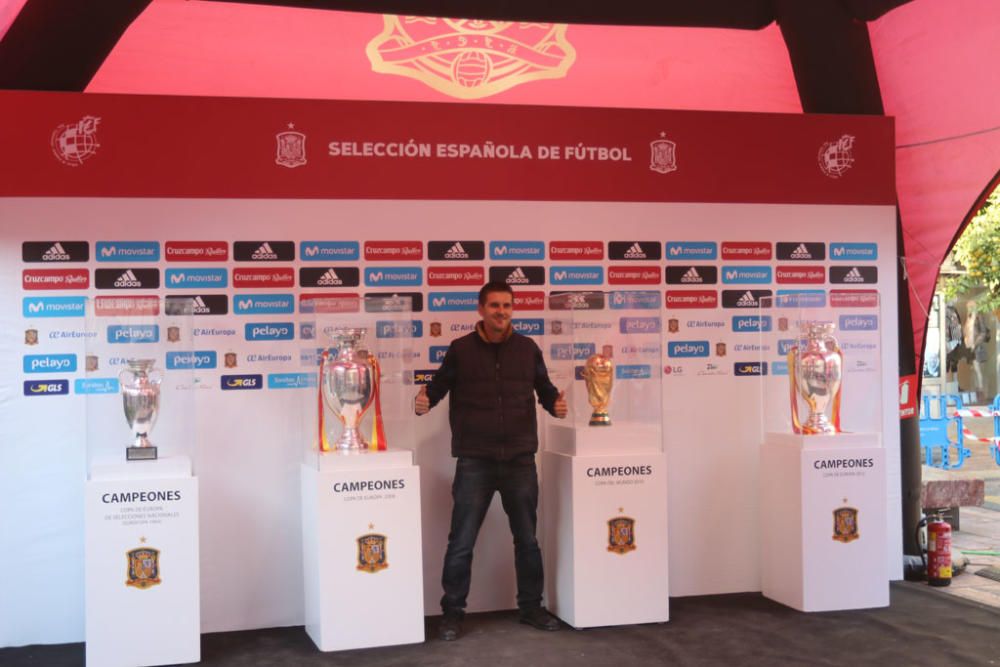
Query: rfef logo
{"type": "Point", "coordinates": [800, 250]}
{"type": "Point", "coordinates": [638, 275]}
{"type": "Point", "coordinates": [518, 275]}
{"type": "Point", "coordinates": [196, 304]}
{"type": "Point", "coordinates": [196, 278]}
{"type": "Point", "coordinates": [750, 298]}
{"type": "Point", "coordinates": [751, 323]}
{"type": "Point", "coordinates": [263, 251]}
{"type": "Point", "coordinates": [329, 251]}
{"type": "Point", "coordinates": [737, 275]}
{"type": "Point", "coordinates": [401, 329]}
{"type": "Point", "coordinates": [800, 298]}
{"type": "Point", "coordinates": [746, 250]}
{"type": "Point", "coordinates": [54, 306]}
{"type": "Point", "coordinates": [55, 251]}
{"type": "Point", "coordinates": [853, 252]}
{"type": "Point", "coordinates": [688, 348]}
{"type": "Point", "coordinates": [639, 325]}
{"type": "Point", "coordinates": [240, 382]}
{"type": "Point", "coordinates": [576, 275]}
{"type": "Point", "coordinates": [853, 274]}
{"type": "Point", "coordinates": [517, 251]}
{"type": "Point", "coordinates": [634, 250]}
{"type": "Point", "coordinates": [634, 300]}
{"type": "Point", "coordinates": [199, 359]}
{"type": "Point", "coordinates": [455, 275]}
{"type": "Point", "coordinates": [127, 251]}
{"type": "Point", "coordinates": [330, 276]}
{"type": "Point", "coordinates": [269, 331]}
{"type": "Point", "coordinates": [858, 322]}
{"type": "Point", "coordinates": [445, 301]}
{"type": "Point", "coordinates": [529, 326]}
{"type": "Point", "coordinates": [134, 333]}
{"type": "Point", "coordinates": [394, 276]}
{"type": "Point", "coordinates": [49, 363]}
{"type": "Point", "coordinates": [692, 275]}
{"type": "Point", "coordinates": [455, 251]}
{"type": "Point", "coordinates": [263, 304]}
{"type": "Point", "coordinates": [274, 277]}
{"type": "Point", "coordinates": [800, 275]}
{"type": "Point", "coordinates": [688, 250]}
{"type": "Point", "coordinates": [691, 299]}
{"type": "Point", "coordinates": [45, 279]}
{"type": "Point", "coordinates": [394, 302]}
{"type": "Point", "coordinates": [393, 251]}
{"type": "Point", "coordinates": [126, 278]}
{"type": "Point", "coordinates": [46, 387]}
{"type": "Point", "coordinates": [745, 368]}
{"type": "Point", "coordinates": [196, 251]}
{"type": "Point", "coordinates": [576, 250]}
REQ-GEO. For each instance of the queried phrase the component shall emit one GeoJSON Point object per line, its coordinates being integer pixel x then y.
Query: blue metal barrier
{"type": "Point", "coordinates": [937, 447]}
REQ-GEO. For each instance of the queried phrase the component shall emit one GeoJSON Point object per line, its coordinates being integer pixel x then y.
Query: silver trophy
{"type": "Point", "coordinates": [348, 386]}
{"type": "Point", "coordinates": [816, 366]}
{"type": "Point", "coordinates": [140, 386]}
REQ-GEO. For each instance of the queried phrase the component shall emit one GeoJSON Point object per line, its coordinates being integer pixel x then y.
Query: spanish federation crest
{"type": "Point", "coordinates": [621, 535]}
{"type": "Point", "coordinates": [371, 553]}
{"type": "Point", "coordinates": [291, 150]}
{"type": "Point", "coordinates": [663, 155]}
{"type": "Point", "coordinates": [72, 143]}
{"type": "Point", "coordinates": [845, 524]}
{"type": "Point", "coordinates": [143, 568]}
{"type": "Point", "coordinates": [836, 157]}
{"type": "Point", "coordinates": [470, 58]}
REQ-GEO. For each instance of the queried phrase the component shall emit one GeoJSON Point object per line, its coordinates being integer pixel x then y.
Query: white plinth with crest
{"type": "Point", "coordinates": [142, 563]}
{"type": "Point", "coordinates": [361, 545]}
{"type": "Point", "coordinates": [604, 523]}
{"type": "Point", "coordinates": [823, 521]}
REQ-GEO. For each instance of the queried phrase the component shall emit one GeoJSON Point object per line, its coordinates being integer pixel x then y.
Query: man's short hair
{"type": "Point", "coordinates": [494, 286]}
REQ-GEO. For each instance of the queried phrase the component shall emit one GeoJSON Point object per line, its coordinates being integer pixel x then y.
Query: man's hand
{"type": "Point", "coordinates": [560, 409]}
{"type": "Point", "coordinates": [422, 404]}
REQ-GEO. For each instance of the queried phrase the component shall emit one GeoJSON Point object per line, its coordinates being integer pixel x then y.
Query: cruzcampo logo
{"type": "Point", "coordinates": [470, 58]}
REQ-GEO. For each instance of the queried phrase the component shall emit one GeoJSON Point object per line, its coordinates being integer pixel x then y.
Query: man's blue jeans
{"type": "Point", "coordinates": [475, 482]}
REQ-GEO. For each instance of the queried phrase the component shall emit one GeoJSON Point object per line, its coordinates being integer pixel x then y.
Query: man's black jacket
{"type": "Point", "coordinates": [493, 388]}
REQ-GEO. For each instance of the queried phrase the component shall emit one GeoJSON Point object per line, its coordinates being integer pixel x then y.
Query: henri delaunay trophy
{"type": "Point", "coordinates": [140, 388]}
{"type": "Point", "coordinates": [815, 367]}
{"type": "Point", "coordinates": [349, 385]}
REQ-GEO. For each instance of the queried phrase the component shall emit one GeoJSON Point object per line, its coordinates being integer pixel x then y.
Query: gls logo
{"type": "Point", "coordinates": [134, 333]}
{"type": "Point", "coordinates": [46, 387]}
{"type": "Point", "coordinates": [239, 382]}
{"type": "Point", "coordinates": [639, 325]}
{"type": "Point", "coordinates": [54, 306]}
{"type": "Point", "coordinates": [745, 368]}
{"type": "Point", "coordinates": [688, 348]}
{"type": "Point", "coordinates": [200, 359]}
{"type": "Point", "coordinates": [269, 331]}
{"type": "Point", "coordinates": [50, 363]}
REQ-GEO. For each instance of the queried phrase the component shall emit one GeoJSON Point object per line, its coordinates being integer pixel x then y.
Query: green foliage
{"type": "Point", "coordinates": [978, 252]}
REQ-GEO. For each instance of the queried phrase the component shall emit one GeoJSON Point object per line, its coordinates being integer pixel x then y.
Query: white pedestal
{"type": "Point", "coordinates": [359, 596]}
{"type": "Point", "coordinates": [145, 616]}
{"type": "Point", "coordinates": [809, 560]}
{"type": "Point", "coordinates": [625, 438]}
{"type": "Point", "coordinates": [590, 582]}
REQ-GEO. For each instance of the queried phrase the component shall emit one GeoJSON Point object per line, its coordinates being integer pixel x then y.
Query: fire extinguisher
{"type": "Point", "coordinates": [938, 550]}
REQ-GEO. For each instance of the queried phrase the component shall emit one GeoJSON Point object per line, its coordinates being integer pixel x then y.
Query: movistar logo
{"type": "Point", "coordinates": [128, 279]}
{"type": "Point", "coordinates": [55, 254]}
{"type": "Point", "coordinates": [264, 252]}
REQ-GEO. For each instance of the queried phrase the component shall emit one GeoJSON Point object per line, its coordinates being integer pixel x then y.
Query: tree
{"type": "Point", "coordinates": [977, 251]}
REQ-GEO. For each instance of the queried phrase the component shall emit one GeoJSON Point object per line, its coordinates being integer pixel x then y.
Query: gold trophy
{"type": "Point", "coordinates": [599, 374]}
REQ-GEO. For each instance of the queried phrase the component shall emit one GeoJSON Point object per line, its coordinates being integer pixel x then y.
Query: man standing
{"type": "Point", "coordinates": [493, 374]}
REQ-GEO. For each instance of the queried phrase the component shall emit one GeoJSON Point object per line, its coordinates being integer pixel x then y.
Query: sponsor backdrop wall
{"type": "Point", "coordinates": [250, 210]}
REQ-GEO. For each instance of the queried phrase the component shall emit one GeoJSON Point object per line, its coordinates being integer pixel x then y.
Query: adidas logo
{"type": "Point", "coordinates": [127, 279]}
{"type": "Point", "coordinates": [691, 276]}
{"type": "Point", "coordinates": [747, 301]}
{"type": "Point", "coordinates": [56, 254]}
{"type": "Point", "coordinates": [854, 276]}
{"type": "Point", "coordinates": [198, 306]}
{"type": "Point", "coordinates": [329, 278]}
{"type": "Point", "coordinates": [456, 252]}
{"type": "Point", "coordinates": [635, 252]}
{"type": "Point", "coordinates": [264, 252]}
{"type": "Point", "coordinates": [801, 252]}
{"type": "Point", "coordinates": [517, 277]}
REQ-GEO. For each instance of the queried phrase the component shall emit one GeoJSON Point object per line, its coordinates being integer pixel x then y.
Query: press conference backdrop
{"type": "Point", "coordinates": [250, 209]}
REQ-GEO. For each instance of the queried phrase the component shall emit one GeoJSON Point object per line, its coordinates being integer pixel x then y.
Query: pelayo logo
{"type": "Point", "coordinates": [403, 329]}
{"type": "Point", "coordinates": [638, 325]}
{"type": "Point", "coordinates": [688, 348]}
{"type": "Point", "coordinates": [751, 323]}
{"type": "Point", "coordinates": [49, 363]}
{"type": "Point", "coordinates": [134, 333]}
{"type": "Point", "coordinates": [529, 326]}
{"type": "Point", "coordinates": [200, 359]}
{"type": "Point", "coordinates": [255, 331]}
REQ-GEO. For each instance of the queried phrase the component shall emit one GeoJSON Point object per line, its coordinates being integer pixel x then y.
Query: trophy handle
{"type": "Point", "coordinates": [835, 411]}
{"type": "Point", "coordinates": [125, 373]}
{"type": "Point", "coordinates": [324, 442]}
{"type": "Point", "coordinates": [793, 386]}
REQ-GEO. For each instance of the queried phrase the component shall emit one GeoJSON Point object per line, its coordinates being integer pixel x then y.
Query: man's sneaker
{"type": "Point", "coordinates": [537, 617]}
{"type": "Point", "coordinates": [451, 627]}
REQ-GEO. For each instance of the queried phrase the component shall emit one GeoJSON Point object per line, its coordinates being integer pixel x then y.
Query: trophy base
{"type": "Point", "coordinates": [600, 419]}
{"type": "Point", "coordinates": [140, 453]}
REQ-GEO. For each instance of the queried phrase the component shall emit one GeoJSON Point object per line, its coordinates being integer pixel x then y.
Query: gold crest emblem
{"type": "Point", "coordinates": [291, 151]}
{"type": "Point", "coordinates": [845, 524]}
{"type": "Point", "coordinates": [143, 568]}
{"type": "Point", "coordinates": [621, 535]}
{"type": "Point", "coordinates": [371, 553]}
{"type": "Point", "coordinates": [663, 155]}
{"type": "Point", "coordinates": [470, 59]}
